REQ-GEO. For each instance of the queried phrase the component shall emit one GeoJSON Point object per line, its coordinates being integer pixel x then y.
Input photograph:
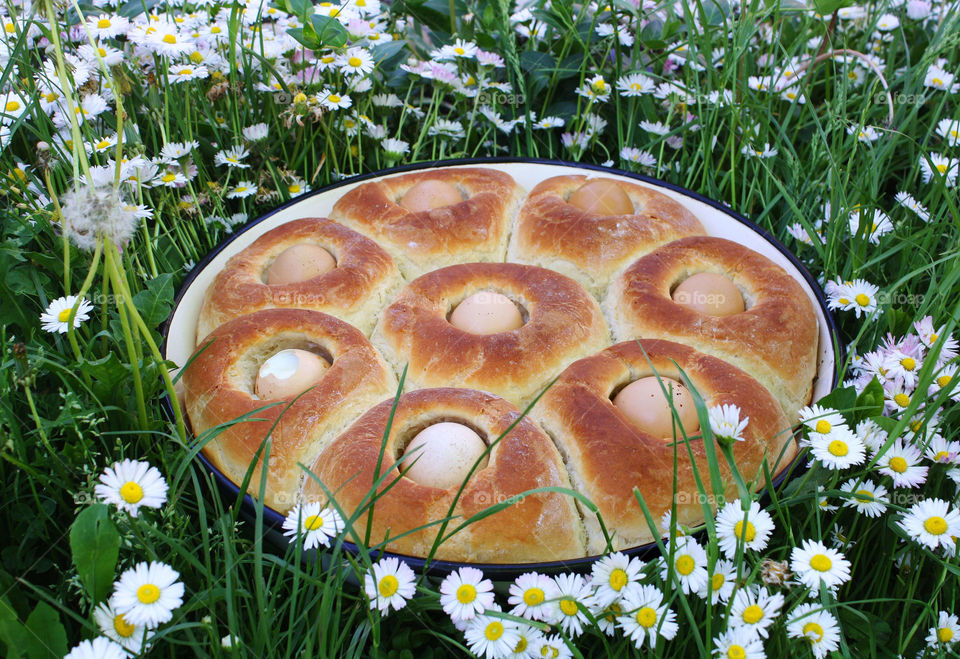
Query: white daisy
{"type": "Point", "coordinates": [907, 200]}
{"type": "Point", "coordinates": [868, 498]}
{"type": "Point", "coordinates": [872, 435]}
{"type": "Point", "coordinates": [726, 424]}
{"type": "Point", "coordinates": [611, 575]}
{"type": "Point", "coordinates": [931, 523]}
{"type": "Point", "coordinates": [734, 526]}
{"type": "Point", "coordinates": [528, 639]}
{"type": "Point", "coordinates": [465, 593]}
{"type": "Point", "coordinates": [738, 643]}
{"type": "Point", "coordinates": [814, 562]}
{"type": "Point", "coordinates": [646, 616]}
{"type": "Point", "coordinates": [816, 626]}
{"type": "Point", "coordinates": [821, 420]}
{"type": "Point", "coordinates": [232, 157]}
{"type": "Point", "coordinates": [147, 594]}
{"type": "Point", "coordinates": [901, 462]}
{"type": "Point", "coordinates": [531, 594]}
{"type": "Point", "coordinates": [946, 632]}
{"type": "Point", "coordinates": [936, 165]}
{"type": "Point", "coordinates": [242, 189]}
{"type": "Point", "coordinates": [635, 155]}
{"type": "Point", "coordinates": [492, 637]}
{"type": "Point", "coordinates": [130, 485]}
{"type": "Point", "coordinates": [313, 524]}
{"type": "Point", "coordinates": [870, 227]}
{"type": "Point", "coordinates": [394, 148]}
{"type": "Point", "coordinates": [256, 132]}
{"type": "Point", "coordinates": [56, 318]}
{"type": "Point", "coordinates": [389, 583]}
{"type": "Point", "coordinates": [689, 565]}
{"type": "Point", "coordinates": [839, 449]}
{"type": "Point", "coordinates": [333, 101]}
{"type": "Point", "coordinates": [720, 581]}
{"type": "Point", "coordinates": [949, 129]}
{"type": "Point", "coordinates": [356, 61]}
{"type": "Point", "coordinates": [756, 609]}
{"type": "Point", "coordinates": [98, 648]}
{"type": "Point", "coordinates": [113, 625]}
{"type": "Point", "coordinates": [552, 647]}
{"type": "Point", "coordinates": [572, 598]}
{"type": "Point", "coordinates": [635, 84]}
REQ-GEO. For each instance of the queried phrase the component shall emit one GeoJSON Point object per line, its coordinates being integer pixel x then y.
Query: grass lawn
{"type": "Point", "coordinates": [138, 136]}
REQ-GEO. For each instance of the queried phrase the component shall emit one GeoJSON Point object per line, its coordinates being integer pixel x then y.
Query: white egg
{"type": "Point", "coordinates": [299, 263]}
{"type": "Point", "coordinates": [289, 372]}
{"type": "Point", "coordinates": [709, 293]}
{"type": "Point", "coordinates": [486, 313]}
{"type": "Point", "coordinates": [444, 454]}
{"type": "Point", "coordinates": [643, 403]}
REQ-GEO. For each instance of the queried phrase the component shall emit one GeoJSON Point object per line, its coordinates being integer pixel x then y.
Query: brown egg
{"type": "Point", "coordinates": [427, 195]}
{"type": "Point", "coordinates": [288, 373]}
{"type": "Point", "coordinates": [299, 263]}
{"type": "Point", "coordinates": [442, 455]}
{"type": "Point", "coordinates": [642, 401]}
{"type": "Point", "coordinates": [709, 293]}
{"type": "Point", "coordinates": [601, 197]}
{"type": "Point", "coordinates": [486, 313]}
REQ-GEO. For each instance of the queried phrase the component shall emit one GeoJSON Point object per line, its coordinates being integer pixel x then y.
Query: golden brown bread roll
{"type": "Point", "coordinates": [775, 340]}
{"type": "Point", "coordinates": [540, 527]}
{"type": "Point", "coordinates": [475, 229]}
{"type": "Point", "coordinates": [361, 284]}
{"type": "Point", "coordinates": [220, 382]}
{"type": "Point", "coordinates": [563, 323]}
{"type": "Point", "coordinates": [607, 456]}
{"type": "Point", "coordinates": [590, 247]}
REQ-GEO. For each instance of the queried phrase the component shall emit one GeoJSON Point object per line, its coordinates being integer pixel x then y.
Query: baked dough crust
{"type": "Point", "coordinates": [775, 339]}
{"type": "Point", "coordinates": [476, 229]}
{"type": "Point", "coordinates": [219, 388]}
{"type": "Point", "coordinates": [563, 323]}
{"type": "Point", "coordinates": [607, 456]}
{"type": "Point", "coordinates": [363, 282]}
{"type": "Point", "coordinates": [592, 249]}
{"type": "Point", "coordinates": [537, 527]}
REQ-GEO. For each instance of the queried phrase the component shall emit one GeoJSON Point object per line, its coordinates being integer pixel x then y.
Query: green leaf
{"type": "Point", "coordinates": [108, 373]}
{"type": "Point", "coordinates": [155, 302]}
{"type": "Point", "coordinates": [46, 637]}
{"type": "Point", "coordinates": [12, 632]}
{"type": "Point", "coordinates": [306, 36]}
{"type": "Point", "coordinates": [330, 32]}
{"type": "Point", "coordinates": [387, 50]}
{"type": "Point", "coordinates": [842, 399]}
{"type": "Point", "coordinates": [870, 400]}
{"type": "Point", "coordinates": [827, 7]}
{"type": "Point", "coordinates": [95, 545]}
{"type": "Point", "coordinates": [136, 7]}
{"type": "Point", "coordinates": [300, 8]}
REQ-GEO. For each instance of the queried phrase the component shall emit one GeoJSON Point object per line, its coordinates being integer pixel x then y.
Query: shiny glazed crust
{"type": "Point", "coordinates": [591, 248]}
{"type": "Point", "coordinates": [219, 388]}
{"type": "Point", "coordinates": [607, 456]}
{"type": "Point", "coordinates": [564, 323]}
{"type": "Point", "coordinates": [363, 282]}
{"type": "Point", "coordinates": [775, 340]}
{"type": "Point", "coordinates": [476, 229]}
{"type": "Point", "coordinates": [537, 527]}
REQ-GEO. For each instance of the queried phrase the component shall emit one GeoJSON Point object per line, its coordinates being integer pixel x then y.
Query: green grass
{"type": "Point", "coordinates": [72, 404]}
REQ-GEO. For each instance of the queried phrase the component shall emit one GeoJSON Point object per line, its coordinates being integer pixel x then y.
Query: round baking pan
{"type": "Point", "coordinates": [179, 332]}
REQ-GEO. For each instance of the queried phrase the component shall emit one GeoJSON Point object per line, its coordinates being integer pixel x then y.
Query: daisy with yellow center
{"type": "Point", "coordinates": [464, 594]}
{"type": "Point", "coordinates": [611, 576]}
{"type": "Point", "coordinates": [131, 485]}
{"type": "Point", "coordinates": [689, 565]}
{"type": "Point", "coordinates": [147, 594]}
{"type": "Point", "coordinates": [932, 523]}
{"type": "Point", "coordinates": [750, 528]}
{"type": "Point", "coordinates": [814, 562]}
{"type": "Point", "coordinates": [946, 633]}
{"type": "Point", "coordinates": [56, 317]}
{"type": "Point", "coordinates": [531, 596]}
{"type": "Point", "coordinates": [389, 583]}
{"type": "Point", "coordinates": [116, 627]}
{"type": "Point", "coordinates": [573, 596]}
{"type": "Point", "coordinates": [738, 643]}
{"type": "Point", "coordinates": [720, 582]}
{"type": "Point", "coordinates": [491, 636]}
{"type": "Point", "coordinates": [646, 616]}
{"type": "Point", "coordinates": [818, 627]}
{"type": "Point", "coordinates": [755, 608]}
{"type": "Point", "coordinates": [315, 524]}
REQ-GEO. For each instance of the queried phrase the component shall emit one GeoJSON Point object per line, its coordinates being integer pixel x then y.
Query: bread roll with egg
{"type": "Point", "coordinates": [257, 366]}
{"type": "Point", "coordinates": [539, 527]}
{"type": "Point", "coordinates": [608, 454]}
{"type": "Point", "coordinates": [311, 263]}
{"type": "Point", "coordinates": [435, 218]}
{"type": "Point", "coordinates": [561, 323]}
{"type": "Point", "coordinates": [590, 229]}
{"type": "Point", "coordinates": [775, 337]}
